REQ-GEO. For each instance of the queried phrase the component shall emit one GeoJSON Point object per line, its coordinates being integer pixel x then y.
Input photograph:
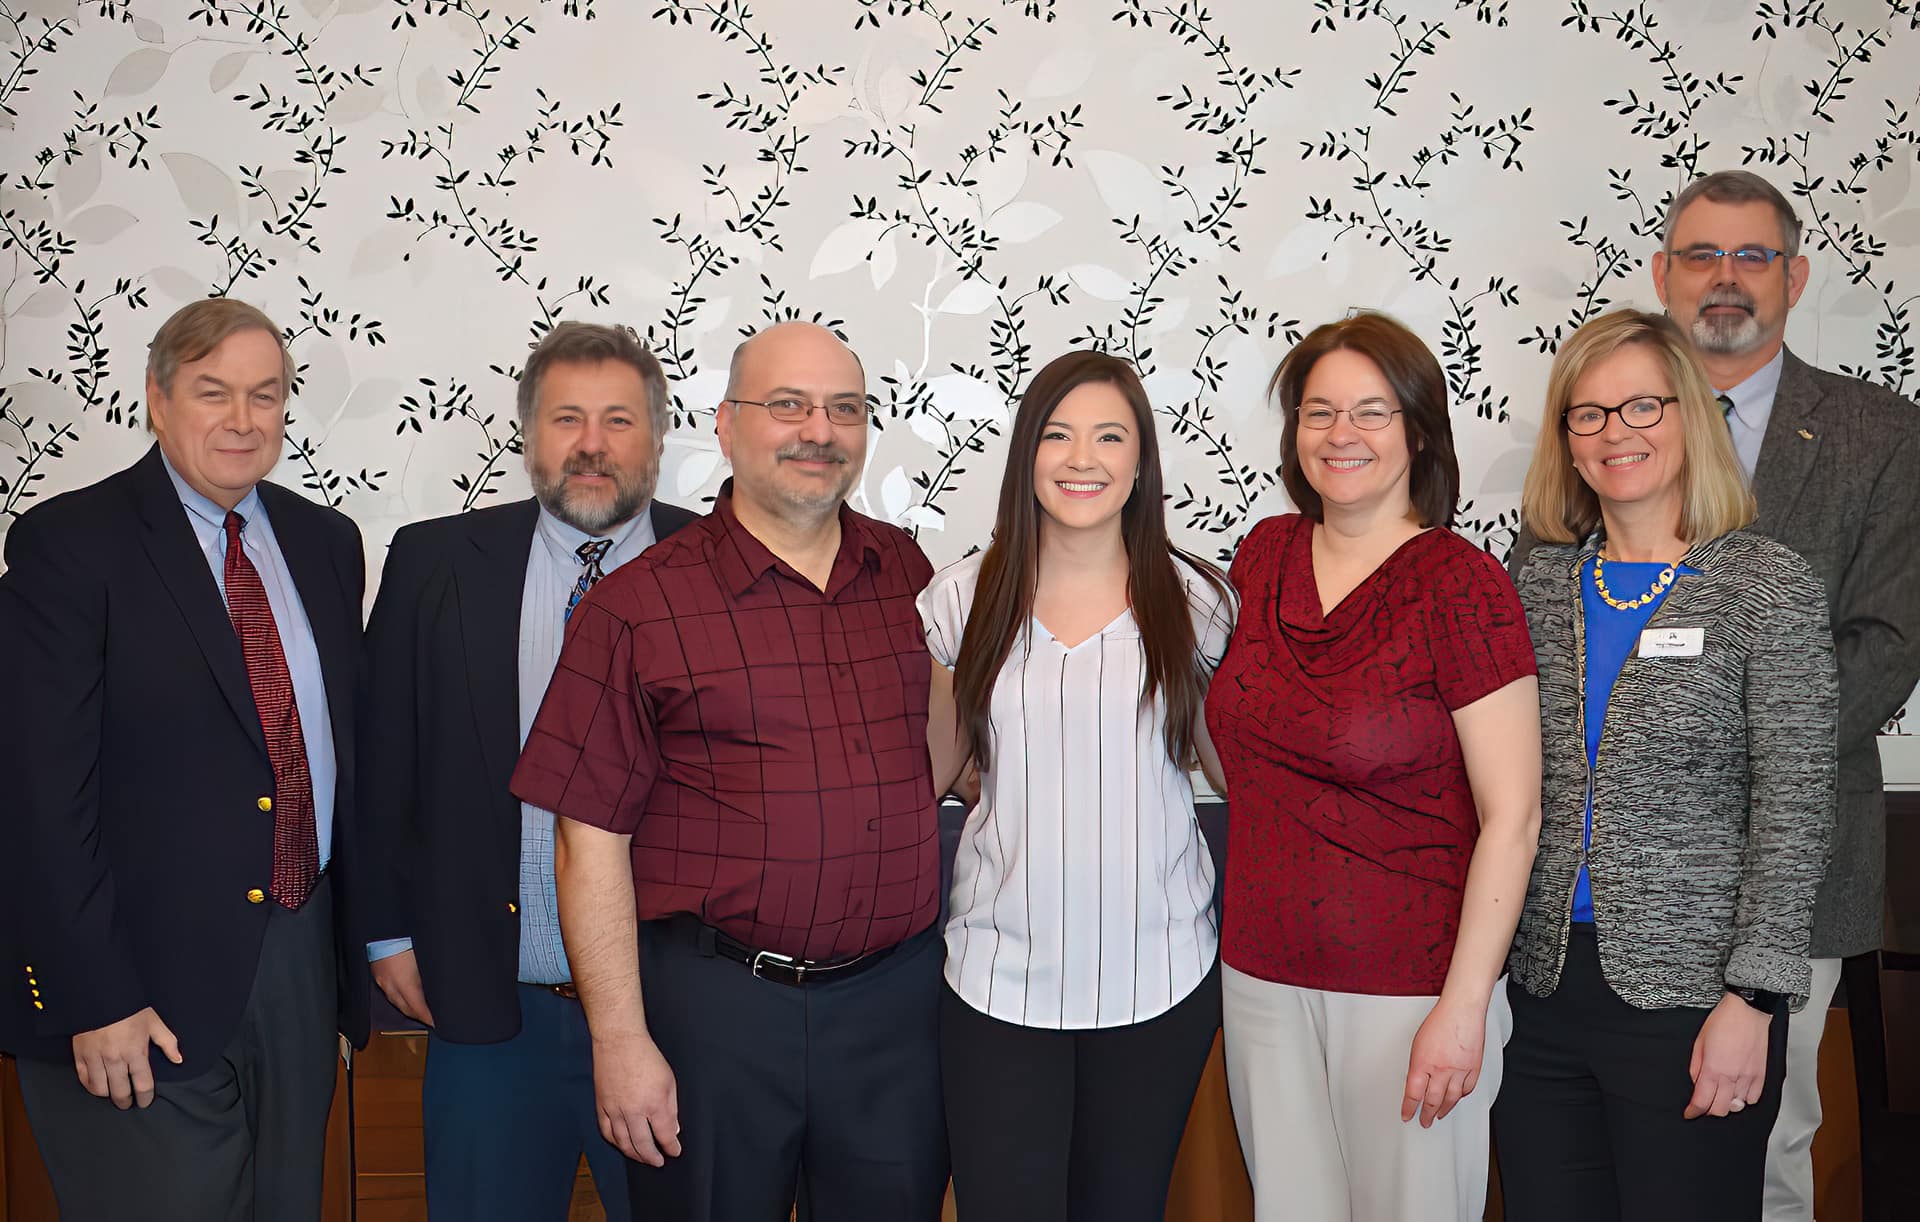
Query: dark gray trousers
{"type": "Point", "coordinates": [827, 1096]}
{"type": "Point", "coordinates": [243, 1141]}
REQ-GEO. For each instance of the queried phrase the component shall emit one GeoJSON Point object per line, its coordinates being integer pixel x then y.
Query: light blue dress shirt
{"type": "Point", "coordinates": [553, 566]}
{"type": "Point", "coordinates": [1752, 408]}
{"type": "Point", "coordinates": [209, 523]}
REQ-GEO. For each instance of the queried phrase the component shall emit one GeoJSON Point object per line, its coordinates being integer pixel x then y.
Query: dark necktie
{"type": "Point", "coordinates": [591, 553]}
{"type": "Point", "coordinates": [296, 842]}
{"type": "Point", "coordinates": [1726, 410]}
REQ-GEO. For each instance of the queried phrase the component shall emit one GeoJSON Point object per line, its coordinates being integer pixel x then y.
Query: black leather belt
{"type": "Point", "coordinates": [771, 965]}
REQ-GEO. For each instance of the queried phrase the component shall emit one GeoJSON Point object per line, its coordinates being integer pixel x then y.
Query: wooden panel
{"type": "Point", "coordinates": [411, 1210]}
{"type": "Point", "coordinates": [1836, 1147]}
{"type": "Point", "coordinates": [26, 1192]}
{"type": "Point", "coordinates": [1210, 1178]}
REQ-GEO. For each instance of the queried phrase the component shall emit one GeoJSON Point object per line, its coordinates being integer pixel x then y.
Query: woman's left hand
{"type": "Point", "coordinates": [1729, 1065]}
{"type": "Point", "coordinates": [1445, 1064]}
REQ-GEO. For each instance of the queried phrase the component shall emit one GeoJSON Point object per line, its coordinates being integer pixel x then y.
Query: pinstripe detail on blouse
{"type": "Point", "coordinates": [1082, 889]}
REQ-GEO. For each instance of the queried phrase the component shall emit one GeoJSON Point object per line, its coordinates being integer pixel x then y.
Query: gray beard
{"type": "Point", "coordinates": [1726, 333]}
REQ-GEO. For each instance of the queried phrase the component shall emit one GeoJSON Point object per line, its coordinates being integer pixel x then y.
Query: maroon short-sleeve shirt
{"type": "Point", "coordinates": [1352, 818]}
{"type": "Point", "coordinates": [763, 741]}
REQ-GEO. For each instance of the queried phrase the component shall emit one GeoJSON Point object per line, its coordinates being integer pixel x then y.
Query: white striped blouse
{"type": "Point", "coordinates": [1082, 888]}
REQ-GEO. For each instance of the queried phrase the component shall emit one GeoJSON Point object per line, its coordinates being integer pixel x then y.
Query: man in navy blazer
{"type": "Point", "coordinates": [463, 639]}
{"type": "Point", "coordinates": [183, 642]}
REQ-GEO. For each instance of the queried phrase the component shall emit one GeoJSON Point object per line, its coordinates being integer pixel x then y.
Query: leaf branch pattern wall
{"type": "Point", "coordinates": [417, 189]}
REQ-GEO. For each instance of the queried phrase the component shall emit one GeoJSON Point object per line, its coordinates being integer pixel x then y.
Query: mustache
{"type": "Point", "coordinates": [809, 452]}
{"type": "Point", "coordinates": [594, 464]}
{"type": "Point", "coordinates": [1728, 296]}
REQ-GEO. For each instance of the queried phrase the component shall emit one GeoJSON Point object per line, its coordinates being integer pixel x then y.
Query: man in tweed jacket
{"type": "Point", "coordinates": [1835, 464]}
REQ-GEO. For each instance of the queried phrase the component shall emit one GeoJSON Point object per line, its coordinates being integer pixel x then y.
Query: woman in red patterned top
{"type": "Point", "coordinates": [1378, 722]}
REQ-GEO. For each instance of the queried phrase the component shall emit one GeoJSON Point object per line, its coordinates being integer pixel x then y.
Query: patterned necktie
{"type": "Point", "coordinates": [296, 842]}
{"type": "Point", "coordinates": [1726, 410]}
{"type": "Point", "coordinates": [591, 553]}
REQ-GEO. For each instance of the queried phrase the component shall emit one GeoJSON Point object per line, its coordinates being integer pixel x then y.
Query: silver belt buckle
{"type": "Point", "coordinates": [766, 961]}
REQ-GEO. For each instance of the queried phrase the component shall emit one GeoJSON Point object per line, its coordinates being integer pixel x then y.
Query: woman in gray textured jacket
{"type": "Point", "coordinates": [1688, 713]}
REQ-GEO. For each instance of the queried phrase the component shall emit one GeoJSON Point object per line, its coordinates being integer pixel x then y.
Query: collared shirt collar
{"type": "Point", "coordinates": [745, 560]}
{"type": "Point", "coordinates": [1753, 398]}
{"type": "Point", "coordinates": [565, 540]}
{"type": "Point", "coordinates": [200, 507]}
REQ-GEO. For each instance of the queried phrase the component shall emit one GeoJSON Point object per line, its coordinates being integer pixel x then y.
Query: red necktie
{"type": "Point", "coordinates": [296, 843]}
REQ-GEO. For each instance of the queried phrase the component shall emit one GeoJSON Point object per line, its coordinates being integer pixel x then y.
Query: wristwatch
{"type": "Point", "coordinates": [1760, 999]}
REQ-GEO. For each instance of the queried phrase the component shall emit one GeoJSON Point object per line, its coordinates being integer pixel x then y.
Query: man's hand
{"type": "Point", "coordinates": [112, 1061]}
{"type": "Point", "coordinates": [399, 978]}
{"type": "Point", "coordinates": [639, 1104]}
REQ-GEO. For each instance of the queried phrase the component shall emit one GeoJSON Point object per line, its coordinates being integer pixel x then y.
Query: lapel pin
{"type": "Point", "coordinates": [1805, 436]}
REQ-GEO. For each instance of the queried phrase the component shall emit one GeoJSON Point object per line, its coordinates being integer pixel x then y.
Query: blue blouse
{"type": "Point", "coordinates": [1611, 637]}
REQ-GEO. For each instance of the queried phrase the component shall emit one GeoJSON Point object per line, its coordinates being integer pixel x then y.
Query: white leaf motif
{"type": "Point", "coordinates": [968, 398]}
{"type": "Point", "coordinates": [75, 184]}
{"type": "Point", "coordinates": [1023, 221]}
{"type": "Point", "coordinates": [226, 69]}
{"type": "Point", "coordinates": [968, 297]}
{"type": "Point", "coordinates": [695, 470]}
{"type": "Point", "coordinates": [927, 429]}
{"type": "Point", "coordinates": [45, 303]}
{"type": "Point", "coordinates": [884, 261]}
{"type": "Point", "coordinates": [101, 224]}
{"type": "Point", "coordinates": [1126, 187]}
{"type": "Point", "coordinates": [896, 491]}
{"type": "Point", "coordinates": [924, 517]}
{"type": "Point", "coordinates": [177, 283]}
{"type": "Point", "coordinates": [845, 246]}
{"type": "Point", "coordinates": [1061, 73]}
{"type": "Point", "coordinates": [204, 187]}
{"type": "Point", "coordinates": [1900, 229]}
{"type": "Point", "coordinates": [1101, 282]}
{"type": "Point", "coordinates": [140, 71]}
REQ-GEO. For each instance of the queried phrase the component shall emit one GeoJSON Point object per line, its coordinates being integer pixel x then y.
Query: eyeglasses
{"type": "Point", "coordinates": [1746, 259]}
{"type": "Point", "coordinates": [1586, 419]}
{"type": "Point", "coordinates": [1369, 418]}
{"type": "Point", "coordinates": [844, 412]}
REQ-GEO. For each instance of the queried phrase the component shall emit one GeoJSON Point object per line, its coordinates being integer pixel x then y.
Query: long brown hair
{"type": "Point", "coordinates": [1009, 572]}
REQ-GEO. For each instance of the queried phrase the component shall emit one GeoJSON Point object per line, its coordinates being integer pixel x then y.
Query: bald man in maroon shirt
{"type": "Point", "coordinates": [736, 744]}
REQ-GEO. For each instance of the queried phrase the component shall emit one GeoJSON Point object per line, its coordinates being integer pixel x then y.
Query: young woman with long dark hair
{"type": "Point", "coordinates": [1083, 989]}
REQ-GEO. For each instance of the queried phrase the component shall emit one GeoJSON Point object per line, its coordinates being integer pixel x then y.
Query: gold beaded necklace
{"type": "Point", "coordinates": [1606, 596]}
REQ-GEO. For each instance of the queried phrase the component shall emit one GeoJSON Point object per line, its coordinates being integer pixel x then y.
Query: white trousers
{"type": "Point", "coordinates": [1789, 1192]}
{"type": "Point", "coordinates": [1317, 1079]}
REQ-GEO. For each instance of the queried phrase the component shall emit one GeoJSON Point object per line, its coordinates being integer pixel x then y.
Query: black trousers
{"type": "Point", "coordinates": [244, 1141]}
{"type": "Point", "coordinates": [1589, 1123]}
{"type": "Point", "coordinates": [827, 1094]}
{"type": "Point", "coordinates": [1071, 1126]}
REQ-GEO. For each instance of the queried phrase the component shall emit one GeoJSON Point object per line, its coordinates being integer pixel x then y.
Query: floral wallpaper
{"type": "Point", "coordinates": [418, 189]}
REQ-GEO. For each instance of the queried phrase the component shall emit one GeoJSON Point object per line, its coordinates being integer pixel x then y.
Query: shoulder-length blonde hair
{"type": "Point", "coordinates": [1557, 506]}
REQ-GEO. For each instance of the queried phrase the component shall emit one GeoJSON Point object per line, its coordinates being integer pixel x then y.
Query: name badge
{"type": "Point", "coordinates": [1672, 642]}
